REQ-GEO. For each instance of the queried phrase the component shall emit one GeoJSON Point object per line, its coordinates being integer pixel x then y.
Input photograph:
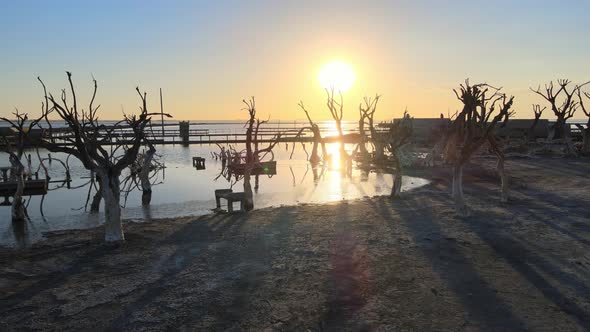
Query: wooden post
{"type": "Point", "coordinates": [162, 113]}
{"type": "Point", "coordinates": [184, 132]}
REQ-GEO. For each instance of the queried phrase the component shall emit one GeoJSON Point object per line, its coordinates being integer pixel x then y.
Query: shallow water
{"type": "Point", "coordinates": [184, 191]}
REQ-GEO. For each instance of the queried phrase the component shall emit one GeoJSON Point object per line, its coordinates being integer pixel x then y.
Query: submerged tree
{"type": "Point", "coordinates": [336, 108]}
{"type": "Point", "coordinates": [399, 134]}
{"type": "Point", "coordinates": [14, 146]}
{"type": "Point", "coordinates": [561, 102]}
{"type": "Point", "coordinates": [253, 154]}
{"type": "Point", "coordinates": [314, 159]}
{"type": "Point", "coordinates": [139, 175]}
{"type": "Point", "coordinates": [96, 145]}
{"type": "Point", "coordinates": [472, 127]}
{"type": "Point", "coordinates": [366, 115]}
{"type": "Point", "coordinates": [143, 171]}
{"type": "Point", "coordinates": [379, 139]}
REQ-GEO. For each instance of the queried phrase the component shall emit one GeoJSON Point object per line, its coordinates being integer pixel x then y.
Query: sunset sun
{"type": "Point", "coordinates": [336, 75]}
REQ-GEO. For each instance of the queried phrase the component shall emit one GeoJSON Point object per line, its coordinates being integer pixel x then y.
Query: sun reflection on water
{"type": "Point", "coordinates": [334, 157]}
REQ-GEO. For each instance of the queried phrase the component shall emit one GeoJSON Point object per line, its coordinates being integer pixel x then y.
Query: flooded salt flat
{"type": "Point", "coordinates": [181, 190]}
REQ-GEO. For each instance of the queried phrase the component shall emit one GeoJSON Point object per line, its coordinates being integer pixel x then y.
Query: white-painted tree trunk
{"type": "Point", "coordinates": [249, 203]}
{"type": "Point", "coordinates": [363, 141]}
{"type": "Point", "coordinates": [457, 188]}
{"type": "Point", "coordinates": [500, 167]}
{"type": "Point", "coordinates": [314, 159]}
{"type": "Point", "coordinates": [111, 194]}
{"type": "Point", "coordinates": [396, 189]}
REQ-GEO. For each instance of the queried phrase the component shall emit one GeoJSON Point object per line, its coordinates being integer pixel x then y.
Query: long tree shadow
{"type": "Point", "coordinates": [191, 240]}
{"type": "Point", "coordinates": [551, 204]}
{"type": "Point", "coordinates": [563, 166]}
{"type": "Point", "coordinates": [530, 262]}
{"type": "Point", "coordinates": [58, 278]}
{"type": "Point", "coordinates": [229, 265]}
{"type": "Point", "coordinates": [450, 262]}
{"type": "Point", "coordinates": [240, 273]}
{"type": "Point", "coordinates": [347, 283]}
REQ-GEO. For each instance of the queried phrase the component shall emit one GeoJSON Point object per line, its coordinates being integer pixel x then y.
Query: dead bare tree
{"type": "Point", "coordinates": [15, 146]}
{"type": "Point", "coordinates": [96, 145]}
{"type": "Point", "coordinates": [561, 102]}
{"type": "Point", "coordinates": [379, 139]}
{"type": "Point", "coordinates": [314, 159]}
{"type": "Point", "coordinates": [366, 114]}
{"type": "Point", "coordinates": [18, 210]}
{"type": "Point", "coordinates": [253, 153]}
{"type": "Point", "coordinates": [472, 127]}
{"type": "Point", "coordinates": [585, 131]}
{"type": "Point", "coordinates": [336, 109]}
{"type": "Point", "coordinates": [399, 134]}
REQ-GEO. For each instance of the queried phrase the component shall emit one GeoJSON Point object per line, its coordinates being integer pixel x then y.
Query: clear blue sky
{"type": "Point", "coordinates": [207, 56]}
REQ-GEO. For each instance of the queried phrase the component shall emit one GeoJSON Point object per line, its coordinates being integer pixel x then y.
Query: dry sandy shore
{"type": "Point", "coordinates": [375, 264]}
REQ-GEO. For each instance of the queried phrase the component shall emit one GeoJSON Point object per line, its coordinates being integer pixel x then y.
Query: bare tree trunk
{"type": "Point", "coordinates": [249, 203]}
{"type": "Point", "coordinates": [146, 186]}
{"type": "Point", "coordinates": [315, 158]}
{"type": "Point", "coordinates": [324, 150]}
{"type": "Point", "coordinates": [18, 207]}
{"type": "Point", "coordinates": [317, 139]}
{"type": "Point", "coordinates": [363, 141]}
{"type": "Point", "coordinates": [249, 199]}
{"type": "Point", "coordinates": [559, 128]}
{"type": "Point", "coordinates": [457, 192]}
{"type": "Point", "coordinates": [111, 193]}
{"type": "Point", "coordinates": [379, 150]}
{"type": "Point", "coordinates": [97, 198]}
{"type": "Point", "coordinates": [396, 189]}
{"type": "Point", "coordinates": [95, 205]}
{"type": "Point", "coordinates": [341, 139]}
{"type": "Point", "coordinates": [500, 168]}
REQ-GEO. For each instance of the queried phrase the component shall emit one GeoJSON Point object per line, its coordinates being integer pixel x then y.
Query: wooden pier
{"type": "Point", "coordinates": [185, 133]}
{"type": "Point", "coordinates": [260, 168]}
{"type": "Point", "coordinates": [189, 133]}
{"type": "Point", "coordinates": [8, 186]}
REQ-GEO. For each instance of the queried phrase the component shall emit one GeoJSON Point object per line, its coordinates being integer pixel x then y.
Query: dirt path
{"type": "Point", "coordinates": [375, 264]}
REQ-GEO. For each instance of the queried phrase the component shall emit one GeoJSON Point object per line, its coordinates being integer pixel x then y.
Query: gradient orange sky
{"type": "Point", "coordinates": [208, 56]}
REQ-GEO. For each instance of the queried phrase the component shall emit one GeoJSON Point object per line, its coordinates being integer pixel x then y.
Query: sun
{"type": "Point", "coordinates": [336, 75]}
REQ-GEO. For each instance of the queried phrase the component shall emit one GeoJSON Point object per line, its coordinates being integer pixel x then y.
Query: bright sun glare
{"type": "Point", "coordinates": [336, 75]}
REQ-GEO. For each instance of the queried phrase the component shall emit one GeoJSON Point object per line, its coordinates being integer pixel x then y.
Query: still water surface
{"type": "Point", "coordinates": [184, 191]}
